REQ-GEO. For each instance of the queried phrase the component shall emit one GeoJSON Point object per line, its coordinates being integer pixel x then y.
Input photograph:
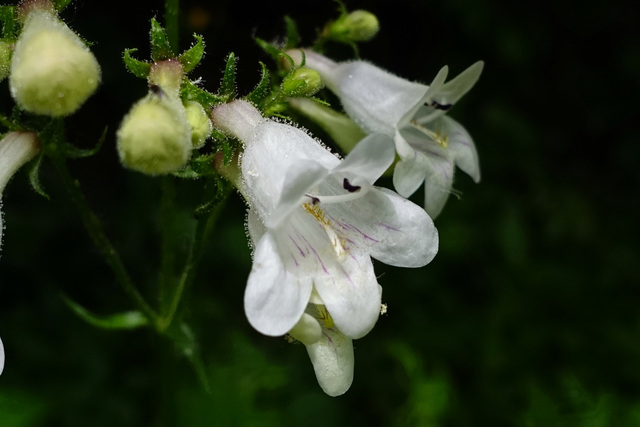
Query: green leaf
{"type": "Point", "coordinates": [191, 92]}
{"type": "Point", "coordinates": [138, 68]}
{"type": "Point", "coordinates": [73, 152]}
{"type": "Point", "coordinates": [61, 4]}
{"type": "Point", "coordinates": [34, 176]}
{"type": "Point", "coordinates": [8, 16]}
{"type": "Point", "coordinates": [261, 91]}
{"type": "Point", "coordinates": [160, 46]}
{"type": "Point", "coordinates": [125, 320]}
{"type": "Point", "coordinates": [293, 37]}
{"type": "Point", "coordinates": [192, 57]}
{"type": "Point", "coordinates": [228, 85]}
{"type": "Point", "coordinates": [272, 50]}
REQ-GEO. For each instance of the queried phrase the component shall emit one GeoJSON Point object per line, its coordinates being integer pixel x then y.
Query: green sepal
{"type": "Point", "coordinates": [10, 26]}
{"type": "Point", "coordinates": [160, 46]}
{"type": "Point", "coordinates": [260, 93]}
{"type": "Point", "coordinates": [138, 68]}
{"type": "Point", "coordinates": [342, 8]}
{"type": "Point", "coordinates": [272, 50]}
{"type": "Point", "coordinates": [192, 57]}
{"type": "Point", "coordinates": [73, 152]}
{"type": "Point", "coordinates": [275, 108]}
{"type": "Point", "coordinates": [125, 320]}
{"type": "Point", "coordinates": [34, 176]}
{"type": "Point", "coordinates": [293, 37]}
{"type": "Point", "coordinates": [198, 166]}
{"type": "Point", "coordinates": [60, 5]}
{"type": "Point", "coordinates": [191, 92]}
{"type": "Point", "coordinates": [228, 84]}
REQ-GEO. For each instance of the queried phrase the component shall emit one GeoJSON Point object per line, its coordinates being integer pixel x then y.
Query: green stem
{"type": "Point", "coordinates": [96, 232]}
{"type": "Point", "coordinates": [203, 230]}
{"type": "Point", "coordinates": [171, 22]}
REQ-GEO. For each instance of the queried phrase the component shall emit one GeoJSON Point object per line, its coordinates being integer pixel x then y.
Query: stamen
{"type": "Point", "coordinates": [442, 140]}
{"type": "Point", "coordinates": [350, 188]}
{"type": "Point", "coordinates": [438, 106]}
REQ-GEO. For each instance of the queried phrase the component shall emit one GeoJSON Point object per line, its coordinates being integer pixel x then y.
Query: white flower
{"type": "Point", "coordinates": [316, 222]}
{"type": "Point", "coordinates": [16, 149]}
{"type": "Point", "coordinates": [428, 142]}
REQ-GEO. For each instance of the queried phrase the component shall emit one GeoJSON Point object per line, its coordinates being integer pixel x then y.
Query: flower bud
{"type": "Point", "coordinates": [302, 82]}
{"type": "Point", "coordinates": [357, 26]}
{"type": "Point", "coordinates": [199, 122]}
{"type": "Point", "coordinates": [5, 58]}
{"type": "Point", "coordinates": [155, 138]}
{"type": "Point", "coordinates": [52, 70]}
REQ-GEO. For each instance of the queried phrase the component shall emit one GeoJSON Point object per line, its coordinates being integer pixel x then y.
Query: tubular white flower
{"type": "Point", "coordinates": [428, 142]}
{"type": "Point", "coordinates": [315, 222]}
{"type": "Point", "coordinates": [16, 149]}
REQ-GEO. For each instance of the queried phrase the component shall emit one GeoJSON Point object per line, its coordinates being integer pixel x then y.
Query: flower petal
{"type": "Point", "coordinates": [2, 357]}
{"type": "Point", "coordinates": [455, 89]}
{"type": "Point", "coordinates": [461, 146]}
{"type": "Point", "coordinates": [408, 237]}
{"type": "Point", "coordinates": [333, 361]}
{"type": "Point", "coordinates": [409, 174]}
{"type": "Point", "coordinates": [351, 294]}
{"type": "Point", "coordinates": [307, 330]}
{"type": "Point", "coordinates": [274, 299]}
{"type": "Point", "coordinates": [369, 159]}
{"type": "Point", "coordinates": [437, 185]}
{"type": "Point", "coordinates": [255, 227]}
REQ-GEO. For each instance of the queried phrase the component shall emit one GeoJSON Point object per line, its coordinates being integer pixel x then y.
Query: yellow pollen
{"type": "Point", "coordinates": [317, 213]}
{"type": "Point", "coordinates": [339, 242]}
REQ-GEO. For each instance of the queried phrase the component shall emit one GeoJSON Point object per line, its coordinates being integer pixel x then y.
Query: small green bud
{"type": "Point", "coordinates": [357, 26]}
{"type": "Point", "coordinates": [200, 124]}
{"type": "Point", "coordinates": [302, 82]}
{"type": "Point", "coordinates": [155, 138]}
{"type": "Point", "coordinates": [5, 58]}
{"type": "Point", "coordinates": [52, 70]}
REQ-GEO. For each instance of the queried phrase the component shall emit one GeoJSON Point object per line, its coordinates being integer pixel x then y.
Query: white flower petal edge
{"type": "Point", "coordinates": [379, 101]}
{"type": "Point", "coordinates": [16, 149]}
{"type": "Point", "coordinates": [1, 357]}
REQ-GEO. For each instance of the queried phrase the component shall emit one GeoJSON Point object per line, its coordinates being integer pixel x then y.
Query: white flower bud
{"type": "Point", "coordinates": [52, 70]}
{"type": "Point", "coordinates": [155, 137]}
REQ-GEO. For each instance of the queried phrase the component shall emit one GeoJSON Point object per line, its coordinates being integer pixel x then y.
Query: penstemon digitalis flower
{"type": "Point", "coordinates": [428, 142]}
{"type": "Point", "coordinates": [315, 223]}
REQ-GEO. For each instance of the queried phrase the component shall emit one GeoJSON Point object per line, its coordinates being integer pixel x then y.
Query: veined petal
{"type": "Point", "coordinates": [351, 294]}
{"type": "Point", "coordinates": [333, 361]}
{"type": "Point", "coordinates": [461, 146]}
{"type": "Point", "coordinates": [274, 299]}
{"type": "Point", "coordinates": [369, 159]}
{"type": "Point", "coordinates": [408, 238]}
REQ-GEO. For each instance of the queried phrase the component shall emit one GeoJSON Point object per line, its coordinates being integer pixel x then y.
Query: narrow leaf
{"type": "Point", "coordinates": [228, 85]}
{"type": "Point", "coordinates": [160, 46]}
{"type": "Point", "coordinates": [190, 58]}
{"type": "Point", "coordinates": [34, 176]}
{"type": "Point", "coordinates": [261, 91]}
{"type": "Point", "coordinates": [138, 68]}
{"type": "Point", "coordinates": [125, 320]}
{"type": "Point", "coordinates": [293, 37]}
{"type": "Point", "coordinates": [185, 341]}
{"type": "Point", "coordinates": [272, 50]}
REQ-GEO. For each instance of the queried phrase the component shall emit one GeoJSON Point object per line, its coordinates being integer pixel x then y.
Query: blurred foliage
{"type": "Point", "coordinates": [528, 315]}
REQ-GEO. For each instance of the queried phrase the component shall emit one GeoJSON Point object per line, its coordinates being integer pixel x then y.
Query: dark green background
{"type": "Point", "coordinates": [528, 316]}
